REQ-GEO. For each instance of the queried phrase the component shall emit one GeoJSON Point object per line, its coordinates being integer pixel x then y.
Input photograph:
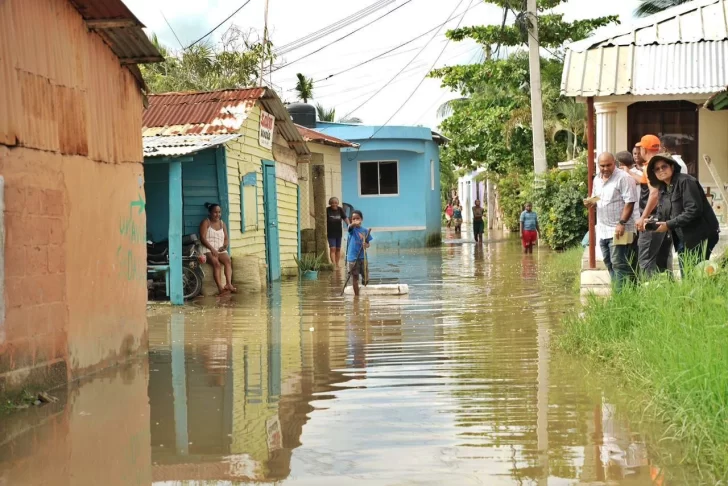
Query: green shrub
{"type": "Point", "coordinates": [309, 262]}
{"type": "Point", "coordinates": [557, 198]}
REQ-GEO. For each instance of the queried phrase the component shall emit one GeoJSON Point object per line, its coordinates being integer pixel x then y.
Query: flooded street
{"type": "Point", "coordinates": [453, 384]}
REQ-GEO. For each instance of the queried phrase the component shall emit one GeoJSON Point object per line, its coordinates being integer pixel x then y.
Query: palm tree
{"type": "Point", "coordinates": [649, 7]}
{"type": "Point", "coordinates": [570, 117]}
{"type": "Point", "coordinates": [324, 114]}
{"type": "Point", "coordinates": [304, 87]}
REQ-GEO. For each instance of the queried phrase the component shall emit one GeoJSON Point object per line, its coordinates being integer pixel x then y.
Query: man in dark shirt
{"type": "Point", "coordinates": [335, 215]}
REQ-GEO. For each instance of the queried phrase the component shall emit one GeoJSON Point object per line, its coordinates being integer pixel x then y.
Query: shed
{"type": "Point", "coordinates": [235, 147]}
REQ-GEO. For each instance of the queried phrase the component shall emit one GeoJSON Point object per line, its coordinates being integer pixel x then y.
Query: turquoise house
{"type": "Point", "coordinates": [393, 177]}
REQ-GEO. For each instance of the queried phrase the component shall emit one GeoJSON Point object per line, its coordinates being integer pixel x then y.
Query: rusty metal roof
{"type": "Point", "coordinates": [310, 135]}
{"type": "Point", "coordinates": [216, 112]}
{"type": "Point", "coordinates": [120, 29]}
{"type": "Point", "coordinates": [683, 50]}
{"type": "Point", "coordinates": [176, 145]}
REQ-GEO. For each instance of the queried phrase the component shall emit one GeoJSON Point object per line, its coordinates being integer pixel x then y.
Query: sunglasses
{"type": "Point", "coordinates": [662, 168]}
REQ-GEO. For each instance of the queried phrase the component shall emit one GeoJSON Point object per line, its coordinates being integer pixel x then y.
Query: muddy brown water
{"type": "Point", "coordinates": [454, 384]}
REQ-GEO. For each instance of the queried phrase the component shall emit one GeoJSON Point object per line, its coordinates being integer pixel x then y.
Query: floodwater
{"type": "Point", "coordinates": [454, 384]}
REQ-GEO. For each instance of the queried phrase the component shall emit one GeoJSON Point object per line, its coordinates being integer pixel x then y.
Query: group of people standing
{"type": "Point", "coordinates": [647, 205]}
{"type": "Point", "coordinates": [454, 218]}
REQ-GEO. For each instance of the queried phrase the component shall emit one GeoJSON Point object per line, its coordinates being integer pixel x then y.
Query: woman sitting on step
{"type": "Point", "coordinates": [214, 237]}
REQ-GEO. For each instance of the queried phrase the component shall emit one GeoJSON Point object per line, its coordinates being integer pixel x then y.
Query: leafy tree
{"type": "Point", "coordinates": [304, 87]}
{"type": "Point", "coordinates": [490, 124]}
{"type": "Point", "coordinates": [232, 63]}
{"type": "Point", "coordinates": [325, 114]}
{"type": "Point", "coordinates": [650, 7]}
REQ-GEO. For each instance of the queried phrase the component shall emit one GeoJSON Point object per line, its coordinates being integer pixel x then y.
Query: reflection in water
{"type": "Point", "coordinates": [453, 384]}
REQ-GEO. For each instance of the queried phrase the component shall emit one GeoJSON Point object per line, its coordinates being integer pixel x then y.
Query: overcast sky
{"type": "Point", "coordinates": [290, 20]}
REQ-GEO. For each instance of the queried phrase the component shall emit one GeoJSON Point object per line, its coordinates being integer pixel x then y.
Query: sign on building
{"type": "Point", "coordinates": [267, 122]}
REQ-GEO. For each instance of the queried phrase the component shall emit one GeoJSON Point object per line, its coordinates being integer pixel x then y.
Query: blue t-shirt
{"type": "Point", "coordinates": [529, 220]}
{"type": "Point", "coordinates": [457, 214]}
{"type": "Point", "coordinates": [354, 250]}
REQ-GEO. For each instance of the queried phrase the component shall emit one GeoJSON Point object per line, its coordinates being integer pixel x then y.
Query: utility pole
{"type": "Point", "coordinates": [534, 67]}
{"type": "Point", "coordinates": [265, 45]}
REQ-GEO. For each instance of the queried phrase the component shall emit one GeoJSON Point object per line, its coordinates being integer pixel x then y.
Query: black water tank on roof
{"type": "Point", "coordinates": [303, 114]}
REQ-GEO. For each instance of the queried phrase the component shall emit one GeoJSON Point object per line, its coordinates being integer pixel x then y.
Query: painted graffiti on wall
{"type": "Point", "coordinates": [131, 255]}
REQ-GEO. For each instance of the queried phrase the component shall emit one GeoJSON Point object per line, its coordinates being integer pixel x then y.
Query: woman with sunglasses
{"type": "Point", "coordinates": [684, 211]}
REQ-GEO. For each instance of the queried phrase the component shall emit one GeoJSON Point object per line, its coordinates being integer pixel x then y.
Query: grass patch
{"type": "Point", "coordinates": [670, 341]}
{"type": "Point", "coordinates": [564, 268]}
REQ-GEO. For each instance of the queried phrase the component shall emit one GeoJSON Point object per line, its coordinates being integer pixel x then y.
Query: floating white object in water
{"type": "Point", "coordinates": [382, 289]}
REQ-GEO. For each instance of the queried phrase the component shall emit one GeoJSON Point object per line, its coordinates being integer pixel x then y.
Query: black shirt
{"type": "Point", "coordinates": [333, 222]}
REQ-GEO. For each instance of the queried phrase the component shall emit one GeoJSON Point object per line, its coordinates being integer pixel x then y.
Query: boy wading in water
{"type": "Point", "coordinates": [334, 216]}
{"type": "Point", "coordinates": [529, 228]}
{"type": "Point", "coordinates": [359, 239]}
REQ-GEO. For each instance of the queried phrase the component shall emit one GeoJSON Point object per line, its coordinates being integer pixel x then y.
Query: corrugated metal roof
{"type": "Point", "coordinates": [310, 135]}
{"type": "Point", "coordinates": [216, 112]}
{"type": "Point", "coordinates": [176, 145]}
{"type": "Point", "coordinates": [119, 28]}
{"type": "Point", "coordinates": [683, 50]}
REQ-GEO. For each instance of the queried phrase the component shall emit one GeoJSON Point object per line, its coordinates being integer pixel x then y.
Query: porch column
{"type": "Point", "coordinates": [176, 293]}
{"type": "Point", "coordinates": [606, 127]}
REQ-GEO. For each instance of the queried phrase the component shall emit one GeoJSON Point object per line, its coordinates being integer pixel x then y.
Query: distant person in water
{"type": "Point", "coordinates": [529, 228]}
{"type": "Point", "coordinates": [448, 213]}
{"type": "Point", "coordinates": [214, 237]}
{"type": "Point", "coordinates": [335, 215]}
{"type": "Point", "coordinates": [359, 239]}
{"type": "Point", "coordinates": [478, 223]}
{"type": "Point", "coordinates": [457, 217]}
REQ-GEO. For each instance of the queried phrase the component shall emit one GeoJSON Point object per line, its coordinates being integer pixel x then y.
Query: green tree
{"type": "Point", "coordinates": [650, 7]}
{"type": "Point", "coordinates": [325, 114]}
{"type": "Point", "coordinates": [234, 62]}
{"type": "Point", "coordinates": [490, 122]}
{"type": "Point", "coordinates": [304, 88]}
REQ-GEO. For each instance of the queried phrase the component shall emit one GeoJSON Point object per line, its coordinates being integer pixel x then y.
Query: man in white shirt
{"type": "Point", "coordinates": [626, 163]}
{"type": "Point", "coordinates": [615, 229]}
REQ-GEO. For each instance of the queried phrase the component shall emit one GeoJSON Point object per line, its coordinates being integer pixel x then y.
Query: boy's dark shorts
{"type": "Point", "coordinates": [356, 268]}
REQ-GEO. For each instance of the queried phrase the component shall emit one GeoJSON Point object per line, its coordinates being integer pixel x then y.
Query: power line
{"type": "Point", "coordinates": [393, 49]}
{"type": "Point", "coordinates": [330, 29]}
{"type": "Point", "coordinates": [170, 28]}
{"type": "Point", "coordinates": [343, 37]}
{"type": "Point", "coordinates": [218, 25]}
{"type": "Point", "coordinates": [406, 65]}
{"type": "Point", "coordinates": [422, 80]}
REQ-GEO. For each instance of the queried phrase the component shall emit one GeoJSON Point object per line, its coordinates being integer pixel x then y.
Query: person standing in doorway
{"type": "Point", "coordinates": [529, 228]}
{"type": "Point", "coordinates": [335, 215]}
{"type": "Point", "coordinates": [478, 223]}
{"type": "Point", "coordinates": [614, 195]}
{"type": "Point", "coordinates": [653, 257]}
{"type": "Point", "coordinates": [669, 146]}
{"type": "Point", "coordinates": [214, 237]}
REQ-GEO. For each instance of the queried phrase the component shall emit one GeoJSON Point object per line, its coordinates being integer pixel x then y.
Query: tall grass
{"type": "Point", "coordinates": [670, 340]}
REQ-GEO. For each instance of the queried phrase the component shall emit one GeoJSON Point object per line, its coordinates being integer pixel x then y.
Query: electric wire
{"type": "Point", "coordinates": [342, 37]}
{"type": "Point", "coordinates": [421, 81]}
{"type": "Point", "coordinates": [330, 29]}
{"type": "Point", "coordinates": [407, 65]}
{"type": "Point", "coordinates": [218, 25]}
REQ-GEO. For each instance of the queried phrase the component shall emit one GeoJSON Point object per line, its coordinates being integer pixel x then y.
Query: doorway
{"type": "Point", "coordinates": [270, 208]}
{"type": "Point", "coordinates": [675, 118]}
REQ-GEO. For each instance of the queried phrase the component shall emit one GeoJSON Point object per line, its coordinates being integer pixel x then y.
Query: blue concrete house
{"type": "Point", "coordinates": [394, 179]}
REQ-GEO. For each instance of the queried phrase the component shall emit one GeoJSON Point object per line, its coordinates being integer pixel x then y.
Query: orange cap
{"type": "Point", "coordinates": [649, 142]}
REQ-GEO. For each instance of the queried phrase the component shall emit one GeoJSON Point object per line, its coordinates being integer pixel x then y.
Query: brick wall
{"type": "Point", "coordinates": [35, 270]}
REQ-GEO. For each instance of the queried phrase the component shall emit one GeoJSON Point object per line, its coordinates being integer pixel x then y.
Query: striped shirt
{"type": "Point", "coordinates": [614, 194]}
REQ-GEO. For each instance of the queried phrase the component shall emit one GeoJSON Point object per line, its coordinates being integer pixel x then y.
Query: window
{"type": "Point", "coordinates": [378, 178]}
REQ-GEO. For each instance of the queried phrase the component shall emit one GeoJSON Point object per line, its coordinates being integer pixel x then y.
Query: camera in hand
{"type": "Point", "coordinates": [651, 225]}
